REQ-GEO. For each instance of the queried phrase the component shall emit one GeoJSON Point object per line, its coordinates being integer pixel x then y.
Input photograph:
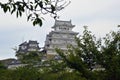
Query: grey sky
{"type": "Point", "coordinates": [101, 16]}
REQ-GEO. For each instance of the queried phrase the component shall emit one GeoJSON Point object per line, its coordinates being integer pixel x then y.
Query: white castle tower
{"type": "Point", "coordinates": [61, 36]}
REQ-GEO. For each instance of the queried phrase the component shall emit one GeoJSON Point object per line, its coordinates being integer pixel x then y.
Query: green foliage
{"type": "Point", "coordinates": [32, 73]}
{"type": "Point", "coordinates": [83, 57]}
{"type": "Point", "coordinates": [31, 58]}
{"type": "Point", "coordinates": [110, 55]}
{"type": "Point", "coordinates": [21, 73]}
{"type": "Point", "coordinates": [25, 73]}
{"type": "Point", "coordinates": [2, 66]}
{"type": "Point", "coordinates": [57, 66]}
{"type": "Point", "coordinates": [90, 52]}
{"type": "Point", "coordinates": [37, 21]}
{"type": "Point", "coordinates": [62, 76]}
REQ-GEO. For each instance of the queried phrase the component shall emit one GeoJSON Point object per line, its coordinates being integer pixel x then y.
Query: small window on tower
{"type": "Point", "coordinates": [48, 45]}
{"type": "Point", "coordinates": [23, 47]}
{"type": "Point", "coordinates": [67, 28]}
{"type": "Point", "coordinates": [50, 39]}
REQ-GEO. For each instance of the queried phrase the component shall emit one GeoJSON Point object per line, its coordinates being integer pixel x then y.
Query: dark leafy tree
{"type": "Point", "coordinates": [25, 73]}
{"type": "Point", "coordinates": [32, 58]}
{"type": "Point", "coordinates": [34, 9]}
{"type": "Point", "coordinates": [110, 56]}
{"type": "Point", "coordinates": [21, 73]}
{"type": "Point", "coordinates": [82, 57]}
{"type": "Point", "coordinates": [91, 52]}
{"type": "Point", "coordinates": [2, 66]}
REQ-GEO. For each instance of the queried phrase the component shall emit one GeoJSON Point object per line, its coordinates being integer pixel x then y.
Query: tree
{"type": "Point", "coordinates": [21, 73]}
{"type": "Point", "coordinates": [32, 59]}
{"type": "Point", "coordinates": [2, 66]}
{"type": "Point", "coordinates": [34, 9]}
{"type": "Point", "coordinates": [110, 55]}
{"type": "Point", "coordinates": [25, 73]}
{"type": "Point", "coordinates": [90, 52]}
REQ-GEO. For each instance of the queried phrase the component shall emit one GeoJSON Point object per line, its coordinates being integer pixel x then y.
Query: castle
{"type": "Point", "coordinates": [61, 36]}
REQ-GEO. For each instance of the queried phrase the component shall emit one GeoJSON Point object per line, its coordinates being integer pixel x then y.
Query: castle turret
{"type": "Point", "coordinates": [27, 47]}
{"type": "Point", "coordinates": [61, 36]}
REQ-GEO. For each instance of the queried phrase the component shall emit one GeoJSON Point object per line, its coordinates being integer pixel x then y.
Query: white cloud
{"type": "Point", "coordinates": [90, 7]}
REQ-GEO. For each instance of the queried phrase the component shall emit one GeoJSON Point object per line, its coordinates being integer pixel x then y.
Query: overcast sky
{"type": "Point", "coordinates": [101, 16]}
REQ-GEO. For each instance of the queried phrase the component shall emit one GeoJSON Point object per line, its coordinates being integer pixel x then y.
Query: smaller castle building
{"type": "Point", "coordinates": [27, 47]}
